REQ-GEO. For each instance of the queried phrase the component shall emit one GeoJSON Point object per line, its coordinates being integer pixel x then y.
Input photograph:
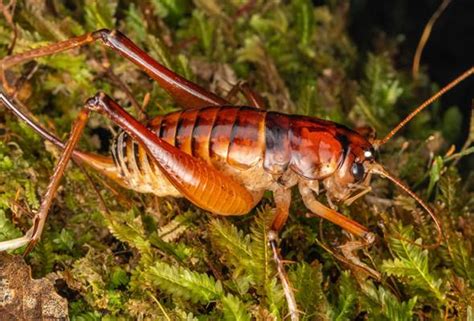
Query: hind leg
{"type": "Point", "coordinates": [185, 93]}
{"type": "Point", "coordinates": [33, 235]}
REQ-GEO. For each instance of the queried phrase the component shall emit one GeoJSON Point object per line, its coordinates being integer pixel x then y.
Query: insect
{"type": "Point", "coordinates": [220, 157]}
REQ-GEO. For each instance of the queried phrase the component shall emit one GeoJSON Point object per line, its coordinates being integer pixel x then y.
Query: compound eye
{"type": "Point", "coordinates": [358, 171]}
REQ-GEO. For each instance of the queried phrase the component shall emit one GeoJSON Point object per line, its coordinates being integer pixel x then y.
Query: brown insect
{"type": "Point", "coordinates": [220, 157]}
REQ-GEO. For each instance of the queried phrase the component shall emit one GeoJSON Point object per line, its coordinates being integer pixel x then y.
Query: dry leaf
{"type": "Point", "coordinates": [22, 298]}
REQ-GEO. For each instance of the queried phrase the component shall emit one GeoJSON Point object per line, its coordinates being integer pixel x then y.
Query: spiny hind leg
{"type": "Point", "coordinates": [185, 93]}
{"type": "Point", "coordinates": [33, 235]}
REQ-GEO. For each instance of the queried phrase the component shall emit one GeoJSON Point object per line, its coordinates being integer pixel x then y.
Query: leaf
{"type": "Point", "coordinates": [23, 298]}
{"type": "Point", "coordinates": [347, 297]}
{"type": "Point", "coordinates": [8, 231]}
{"type": "Point", "coordinates": [183, 282]}
{"type": "Point", "coordinates": [449, 188]}
{"type": "Point", "coordinates": [380, 91]}
{"type": "Point", "coordinates": [234, 309]}
{"type": "Point", "coordinates": [205, 32]}
{"type": "Point", "coordinates": [250, 254]}
{"type": "Point", "coordinates": [100, 14]}
{"type": "Point", "coordinates": [234, 246]}
{"type": "Point", "coordinates": [435, 173]}
{"type": "Point", "coordinates": [461, 257]}
{"type": "Point", "coordinates": [411, 264]}
{"type": "Point", "coordinates": [118, 277]}
{"type": "Point", "coordinates": [31, 194]}
{"type": "Point", "coordinates": [305, 25]}
{"type": "Point", "coordinates": [306, 280]}
{"type": "Point", "coordinates": [264, 272]}
{"type": "Point", "coordinates": [65, 240]}
{"type": "Point", "coordinates": [172, 9]}
{"type": "Point", "coordinates": [128, 228]}
{"type": "Point", "coordinates": [382, 305]}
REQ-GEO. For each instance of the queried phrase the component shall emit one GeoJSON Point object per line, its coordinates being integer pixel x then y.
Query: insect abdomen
{"type": "Point", "coordinates": [222, 136]}
{"type": "Point", "coordinates": [231, 135]}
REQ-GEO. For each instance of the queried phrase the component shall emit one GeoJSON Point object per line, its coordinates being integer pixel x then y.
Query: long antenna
{"type": "Point", "coordinates": [378, 169]}
{"type": "Point", "coordinates": [428, 102]}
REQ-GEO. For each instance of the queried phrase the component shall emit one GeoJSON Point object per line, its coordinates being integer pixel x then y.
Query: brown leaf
{"type": "Point", "coordinates": [22, 298]}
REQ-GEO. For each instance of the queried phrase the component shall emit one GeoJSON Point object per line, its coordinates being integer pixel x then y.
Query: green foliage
{"type": "Point", "coordinates": [379, 93]}
{"type": "Point", "coordinates": [193, 286]}
{"type": "Point", "coordinates": [307, 281]}
{"type": "Point", "coordinates": [233, 309]}
{"type": "Point", "coordinates": [411, 264]}
{"type": "Point", "coordinates": [347, 299]}
{"type": "Point", "coordinates": [381, 304]}
{"type": "Point", "coordinates": [251, 257]}
{"type": "Point", "coordinates": [145, 258]}
{"type": "Point", "coordinates": [7, 229]}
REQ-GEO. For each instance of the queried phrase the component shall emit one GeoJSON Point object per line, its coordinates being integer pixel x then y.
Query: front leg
{"type": "Point", "coordinates": [346, 223]}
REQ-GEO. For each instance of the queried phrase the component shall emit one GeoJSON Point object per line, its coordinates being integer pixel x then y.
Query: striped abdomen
{"type": "Point", "coordinates": [231, 135]}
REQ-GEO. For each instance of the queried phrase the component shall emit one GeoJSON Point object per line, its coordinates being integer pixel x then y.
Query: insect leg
{"type": "Point", "coordinates": [253, 98]}
{"type": "Point", "coordinates": [199, 182]}
{"type": "Point", "coordinates": [347, 224]}
{"type": "Point", "coordinates": [287, 289]}
{"type": "Point", "coordinates": [101, 164]}
{"type": "Point", "coordinates": [186, 93]}
{"type": "Point", "coordinates": [282, 198]}
{"type": "Point", "coordinates": [333, 216]}
{"type": "Point", "coordinates": [34, 233]}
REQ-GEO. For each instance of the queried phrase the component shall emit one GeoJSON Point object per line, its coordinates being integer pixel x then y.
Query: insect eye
{"type": "Point", "coordinates": [358, 171]}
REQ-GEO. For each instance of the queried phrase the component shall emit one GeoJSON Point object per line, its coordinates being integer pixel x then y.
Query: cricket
{"type": "Point", "coordinates": [222, 157]}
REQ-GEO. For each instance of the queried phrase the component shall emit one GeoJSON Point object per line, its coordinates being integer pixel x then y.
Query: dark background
{"type": "Point", "coordinates": [448, 52]}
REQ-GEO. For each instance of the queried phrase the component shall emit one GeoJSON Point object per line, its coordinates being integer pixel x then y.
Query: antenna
{"type": "Point", "coordinates": [428, 102]}
{"type": "Point", "coordinates": [378, 169]}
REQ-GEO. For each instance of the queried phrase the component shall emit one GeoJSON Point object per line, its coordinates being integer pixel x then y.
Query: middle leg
{"type": "Point", "coordinates": [282, 197]}
{"type": "Point", "coordinates": [253, 98]}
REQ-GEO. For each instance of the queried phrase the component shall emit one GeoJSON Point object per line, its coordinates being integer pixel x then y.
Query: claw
{"type": "Point", "coordinates": [348, 250]}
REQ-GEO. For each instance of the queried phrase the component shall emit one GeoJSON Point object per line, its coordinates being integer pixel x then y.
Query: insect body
{"type": "Point", "coordinates": [256, 147]}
